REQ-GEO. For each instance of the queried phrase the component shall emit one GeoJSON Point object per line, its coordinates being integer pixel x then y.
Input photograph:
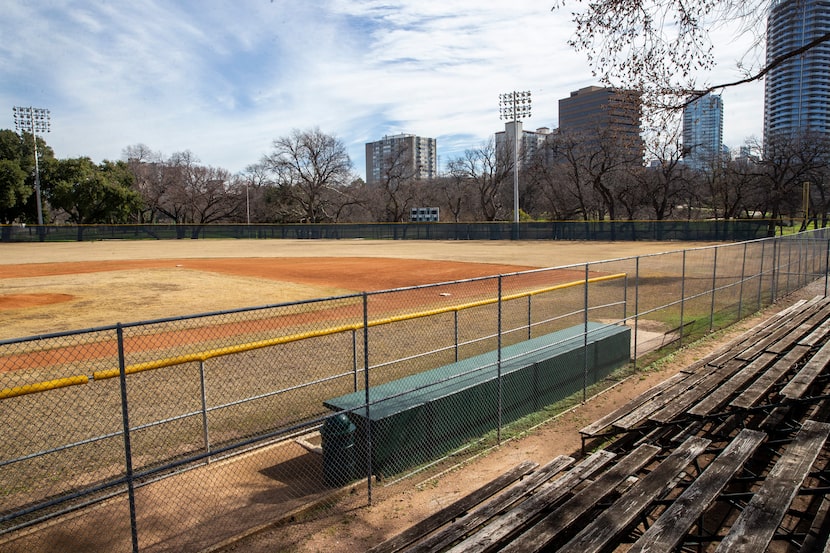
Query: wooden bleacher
{"type": "Point", "coordinates": [730, 454]}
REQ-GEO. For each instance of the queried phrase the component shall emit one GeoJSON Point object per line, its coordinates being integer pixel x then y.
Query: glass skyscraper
{"type": "Point", "coordinates": [703, 131]}
{"type": "Point", "coordinates": [797, 92]}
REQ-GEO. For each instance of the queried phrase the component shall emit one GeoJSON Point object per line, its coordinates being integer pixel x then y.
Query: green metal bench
{"type": "Point", "coordinates": [420, 417]}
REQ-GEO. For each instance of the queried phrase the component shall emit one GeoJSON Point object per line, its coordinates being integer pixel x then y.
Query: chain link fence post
{"type": "Point", "coordinates": [714, 289]}
{"type": "Point", "coordinates": [636, 307]}
{"type": "Point", "coordinates": [128, 452]}
{"type": "Point", "coordinates": [499, 383]}
{"type": "Point", "coordinates": [682, 296]}
{"type": "Point", "coordinates": [366, 385]}
{"type": "Point", "coordinates": [585, 338]}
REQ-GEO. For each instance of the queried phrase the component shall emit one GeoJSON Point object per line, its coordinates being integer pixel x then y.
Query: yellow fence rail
{"type": "Point", "coordinates": [202, 356]}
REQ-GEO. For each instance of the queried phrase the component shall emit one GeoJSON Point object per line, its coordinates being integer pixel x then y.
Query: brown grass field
{"type": "Point", "coordinates": [57, 287]}
{"type": "Point", "coordinates": [53, 287]}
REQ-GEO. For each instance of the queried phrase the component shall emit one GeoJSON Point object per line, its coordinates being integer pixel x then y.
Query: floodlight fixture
{"type": "Point", "coordinates": [515, 106]}
{"type": "Point", "coordinates": [34, 121]}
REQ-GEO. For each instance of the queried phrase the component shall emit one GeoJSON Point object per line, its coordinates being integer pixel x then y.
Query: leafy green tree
{"type": "Point", "coordinates": [13, 191]}
{"type": "Point", "coordinates": [17, 199]}
{"type": "Point", "coordinates": [89, 193]}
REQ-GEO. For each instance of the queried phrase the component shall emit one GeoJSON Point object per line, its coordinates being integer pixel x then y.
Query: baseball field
{"type": "Point", "coordinates": [55, 287]}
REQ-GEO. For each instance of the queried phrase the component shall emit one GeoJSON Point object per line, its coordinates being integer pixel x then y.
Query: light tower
{"type": "Point", "coordinates": [515, 106]}
{"type": "Point", "coordinates": [33, 120]}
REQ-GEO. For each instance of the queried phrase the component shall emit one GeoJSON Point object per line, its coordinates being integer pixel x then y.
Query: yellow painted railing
{"type": "Point", "coordinates": [202, 356]}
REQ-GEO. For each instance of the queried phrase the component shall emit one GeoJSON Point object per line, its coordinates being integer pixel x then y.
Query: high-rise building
{"type": "Point", "coordinates": [530, 142]}
{"type": "Point", "coordinates": [797, 92]}
{"type": "Point", "coordinates": [402, 156]}
{"type": "Point", "coordinates": [703, 131]}
{"type": "Point", "coordinates": [604, 113]}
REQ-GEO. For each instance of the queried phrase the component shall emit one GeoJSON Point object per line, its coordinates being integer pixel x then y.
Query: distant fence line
{"type": "Point", "coordinates": [731, 230]}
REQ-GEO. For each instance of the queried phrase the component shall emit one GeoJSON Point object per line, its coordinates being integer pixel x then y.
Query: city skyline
{"type": "Point", "coordinates": [225, 81]}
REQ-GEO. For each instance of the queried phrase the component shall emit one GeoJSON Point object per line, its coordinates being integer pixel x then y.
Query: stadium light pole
{"type": "Point", "coordinates": [33, 120]}
{"type": "Point", "coordinates": [515, 106]}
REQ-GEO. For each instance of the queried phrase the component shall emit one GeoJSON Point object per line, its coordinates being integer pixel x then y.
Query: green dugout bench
{"type": "Point", "coordinates": [421, 417]}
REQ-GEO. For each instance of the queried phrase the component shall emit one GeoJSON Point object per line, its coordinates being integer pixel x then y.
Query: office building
{"type": "Point", "coordinates": [607, 114]}
{"type": "Point", "coordinates": [401, 156]}
{"type": "Point", "coordinates": [703, 132]}
{"type": "Point", "coordinates": [797, 92]}
{"type": "Point", "coordinates": [530, 143]}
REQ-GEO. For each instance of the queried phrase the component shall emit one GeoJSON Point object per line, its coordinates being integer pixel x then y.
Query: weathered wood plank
{"type": "Point", "coordinates": [764, 383]}
{"type": "Point", "coordinates": [599, 425]}
{"type": "Point", "coordinates": [813, 540]}
{"type": "Point", "coordinates": [746, 339]}
{"type": "Point", "coordinates": [528, 510]}
{"type": "Point", "coordinates": [642, 413]}
{"type": "Point", "coordinates": [721, 395]}
{"type": "Point", "coordinates": [755, 527]}
{"type": "Point", "coordinates": [817, 335]}
{"type": "Point", "coordinates": [694, 394]}
{"type": "Point", "coordinates": [516, 493]}
{"type": "Point", "coordinates": [455, 509]}
{"type": "Point", "coordinates": [574, 509]}
{"type": "Point", "coordinates": [817, 316]}
{"type": "Point", "coordinates": [624, 512]}
{"type": "Point", "coordinates": [668, 530]}
{"type": "Point", "coordinates": [796, 387]}
{"type": "Point", "coordinates": [796, 318]}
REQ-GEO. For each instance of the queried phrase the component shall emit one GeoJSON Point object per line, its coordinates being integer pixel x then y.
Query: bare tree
{"type": "Point", "coordinates": [148, 168]}
{"type": "Point", "coordinates": [487, 176]}
{"type": "Point", "coordinates": [664, 183]}
{"type": "Point", "coordinates": [307, 165]}
{"type": "Point", "coordinates": [253, 182]}
{"type": "Point", "coordinates": [789, 162]}
{"type": "Point", "coordinates": [659, 46]}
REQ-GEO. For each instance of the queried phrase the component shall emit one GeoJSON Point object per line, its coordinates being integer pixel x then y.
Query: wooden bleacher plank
{"type": "Point", "coordinates": [750, 337]}
{"type": "Point", "coordinates": [601, 424]}
{"type": "Point", "coordinates": [726, 354]}
{"type": "Point", "coordinates": [456, 509]}
{"type": "Point", "coordinates": [617, 518]}
{"type": "Point", "coordinates": [781, 331]}
{"type": "Point", "coordinates": [691, 396]}
{"type": "Point", "coordinates": [474, 517]}
{"type": "Point", "coordinates": [801, 331]}
{"type": "Point", "coordinates": [796, 387]}
{"type": "Point", "coordinates": [764, 383]}
{"type": "Point", "coordinates": [580, 504]}
{"type": "Point", "coordinates": [817, 335]}
{"type": "Point", "coordinates": [638, 415]}
{"type": "Point", "coordinates": [813, 540]}
{"type": "Point", "coordinates": [513, 519]}
{"type": "Point", "coordinates": [721, 395]}
{"type": "Point", "coordinates": [755, 527]}
{"type": "Point", "coordinates": [670, 528]}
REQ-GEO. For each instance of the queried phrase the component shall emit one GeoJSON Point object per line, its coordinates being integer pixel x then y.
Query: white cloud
{"type": "Point", "coordinates": [224, 80]}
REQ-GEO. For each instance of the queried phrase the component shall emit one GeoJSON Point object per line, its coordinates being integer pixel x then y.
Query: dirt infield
{"type": "Point", "coordinates": [50, 287]}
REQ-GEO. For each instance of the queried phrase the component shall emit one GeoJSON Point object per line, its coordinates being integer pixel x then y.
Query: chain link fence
{"type": "Point", "coordinates": [730, 230]}
{"type": "Point", "coordinates": [178, 434]}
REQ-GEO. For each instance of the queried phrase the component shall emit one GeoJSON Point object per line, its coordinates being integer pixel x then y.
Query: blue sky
{"type": "Point", "coordinates": [224, 79]}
